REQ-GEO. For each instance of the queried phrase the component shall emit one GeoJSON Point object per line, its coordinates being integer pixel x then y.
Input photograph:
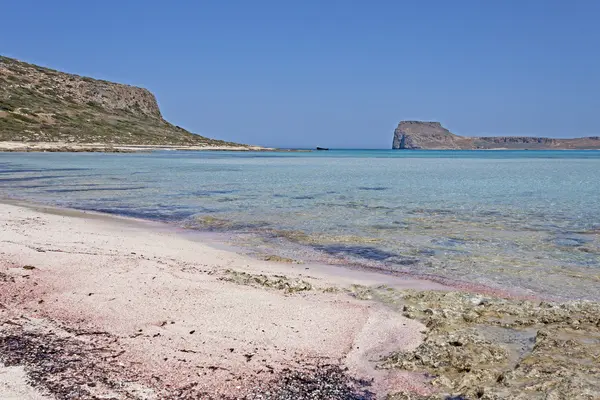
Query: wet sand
{"type": "Point", "coordinates": [132, 309]}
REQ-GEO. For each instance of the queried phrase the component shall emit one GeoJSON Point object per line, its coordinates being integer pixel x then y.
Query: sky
{"type": "Point", "coordinates": [340, 74]}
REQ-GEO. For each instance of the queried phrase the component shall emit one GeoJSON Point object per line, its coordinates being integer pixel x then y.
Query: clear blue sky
{"type": "Point", "coordinates": [331, 73]}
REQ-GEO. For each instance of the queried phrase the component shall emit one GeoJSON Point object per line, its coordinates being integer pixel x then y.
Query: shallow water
{"type": "Point", "coordinates": [524, 220]}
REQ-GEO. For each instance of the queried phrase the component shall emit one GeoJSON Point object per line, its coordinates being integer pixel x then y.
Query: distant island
{"type": "Point", "coordinates": [47, 110]}
{"type": "Point", "coordinates": [413, 135]}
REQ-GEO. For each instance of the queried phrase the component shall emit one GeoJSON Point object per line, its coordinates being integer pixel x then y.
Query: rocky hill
{"type": "Point", "coordinates": [413, 135]}
{"type": "Point", "coordinates": [38, 104]}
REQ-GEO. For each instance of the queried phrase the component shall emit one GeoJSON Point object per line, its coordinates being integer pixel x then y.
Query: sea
{"type": "Point", "coordinates": [523, 221]}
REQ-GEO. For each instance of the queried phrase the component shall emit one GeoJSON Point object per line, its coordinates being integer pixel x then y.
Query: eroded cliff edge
{"type": "Point", "coordinates": [413, 135]}
{"type": "Point", "coordinates": [42, 105]}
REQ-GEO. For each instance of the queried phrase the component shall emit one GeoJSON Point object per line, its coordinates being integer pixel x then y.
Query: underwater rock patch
{"type": "Point", "coordinates": [449, 242]}
{"type": "Point", "coordinates": [373, 188]}
{"type": "Point", "coordinates": [570, 241]}
{"type": "Point", "coordinates": [220, 224]}
{"type": "Point", "coordinates": [212, 192]}
{"type": "Point", "coordinates": [279, 259]}
{"type": "Point", "coordinates": [480, 347]}
{"type": "Point", "coordinates": [367, 252]}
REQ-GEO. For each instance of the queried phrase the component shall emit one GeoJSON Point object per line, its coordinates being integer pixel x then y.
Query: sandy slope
{"type": "Point", "coordinates": [159, 307]}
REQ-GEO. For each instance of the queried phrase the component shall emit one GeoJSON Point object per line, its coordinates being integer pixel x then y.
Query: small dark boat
{"type": "Point", "coordinates": [322, 148]}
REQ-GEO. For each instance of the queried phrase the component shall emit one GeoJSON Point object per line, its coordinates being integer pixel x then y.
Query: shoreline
{"type": "Point", "coordinates": [29, 147]}
{"type": "Point", "coordinates": [296, 328]}
{"type": "Point", "coordinates": [64, 147]}
{"type": "Point", "coordinates": [214, 242]}
{"type": "Point", "coordinates": [145, 310]}
{"type": "Point", "coordinates": [221, 242]}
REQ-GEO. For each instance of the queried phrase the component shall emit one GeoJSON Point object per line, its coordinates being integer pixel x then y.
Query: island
{"type": "Point", "coordinates": [427, 135]}
{"type": "Point", "coordinates": [42, 109]}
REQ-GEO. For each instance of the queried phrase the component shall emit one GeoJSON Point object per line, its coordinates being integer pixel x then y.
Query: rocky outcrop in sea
{"type": "Point", "coordinates": [429, 135]}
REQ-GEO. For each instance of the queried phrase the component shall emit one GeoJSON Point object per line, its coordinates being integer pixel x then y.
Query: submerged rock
{"type": "Point", "coordinates": [479, 347]}
{"type": "Point", "coordinates": [279, 259]}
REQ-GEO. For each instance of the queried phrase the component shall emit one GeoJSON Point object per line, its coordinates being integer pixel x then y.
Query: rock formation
{"type": "Point", "coordinates": [412, 135]}
{"type": "Point", "coordinates": [39, 104]}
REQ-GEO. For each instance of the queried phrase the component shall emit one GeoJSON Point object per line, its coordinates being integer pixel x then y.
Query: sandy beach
{"type": "Point", "coordinates": [8, 146]}
{"type": "Point", "coordinates": [152, 313]}
{"type": "Point", "coordinates": [94, 306]}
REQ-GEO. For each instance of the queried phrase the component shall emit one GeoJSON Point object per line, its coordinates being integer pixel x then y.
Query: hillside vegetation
{"type": "Point", "coordinates": [38, 104]}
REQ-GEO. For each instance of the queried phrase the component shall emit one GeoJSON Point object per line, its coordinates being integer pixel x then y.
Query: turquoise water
{"type": "Point", "coordinates": [525, 220]}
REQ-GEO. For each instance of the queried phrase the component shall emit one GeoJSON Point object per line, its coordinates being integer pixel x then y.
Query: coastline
{"type": "Point", "coordinates": [340, 272]}
{"type": "Point", "coordinates": [144, 311]}
{"type": "Point", "coordinates": [97, 273]}
{"type": "Point", "coordinates": [115, 148]}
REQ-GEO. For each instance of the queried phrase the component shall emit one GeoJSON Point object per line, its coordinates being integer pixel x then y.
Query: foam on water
{"type": "Point", "coordinates": [503, 218]}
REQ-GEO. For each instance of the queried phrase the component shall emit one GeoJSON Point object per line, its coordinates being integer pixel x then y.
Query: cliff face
{"type": "Point", "coordinates": [412, 135]}
{"type": "Point", "coordinates": [77, 89]}
{"type": "Point", "coordinates": [38, 104]}
{"type": "Point", "coordinates": [423, 135]}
